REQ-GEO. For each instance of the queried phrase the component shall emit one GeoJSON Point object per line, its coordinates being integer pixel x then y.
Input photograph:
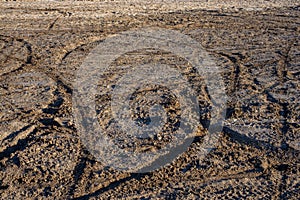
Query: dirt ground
{"type": "Point", "coordinates": [257, 47]}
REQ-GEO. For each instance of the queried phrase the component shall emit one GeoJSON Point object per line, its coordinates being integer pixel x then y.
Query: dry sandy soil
{"type": "Point", "coordinates": [257, 47]}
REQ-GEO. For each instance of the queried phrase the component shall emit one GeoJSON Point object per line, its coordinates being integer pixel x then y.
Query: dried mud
{"type": "Point", "coordinates": [42, 156]}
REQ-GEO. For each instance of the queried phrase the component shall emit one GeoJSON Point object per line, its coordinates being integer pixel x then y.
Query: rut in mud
{"type": "Point", "coordinates": [258, 52]}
